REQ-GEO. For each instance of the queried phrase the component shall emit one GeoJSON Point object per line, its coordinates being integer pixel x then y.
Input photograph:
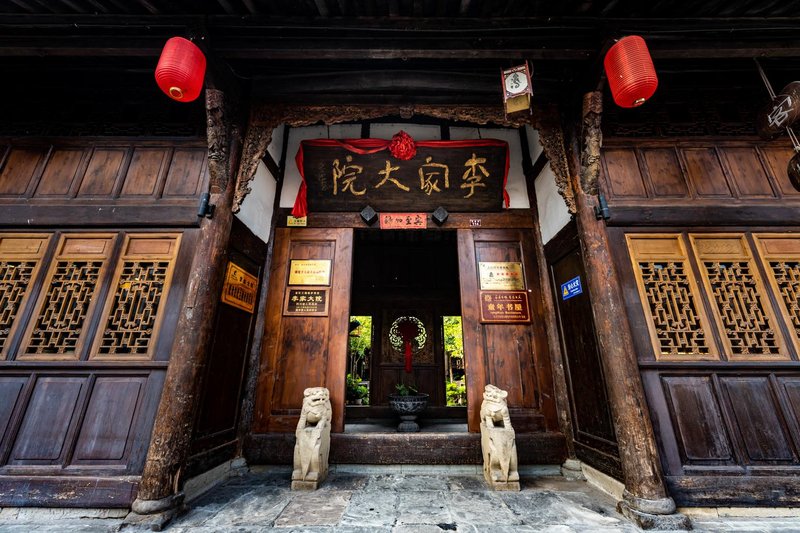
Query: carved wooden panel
{"type": "Point", "coordinates": [678, 325]}
{"type": "Point", "coordinates": [764, 435]}
{"type": "Point", "coordinates": [697, 418]}
{"type": "Point", "coordinates": [20, 257]}
{"type": "Point", "coordinates": [48, 420]}
{"type": "Point", "coordinates": [780, 254]}
{"type": "Point", "coordinates": [110, 415]}
{"type": "Point", "coordinates": [700, 171]}
{"type": "Point", "coordinates": [748, 324]}
{"type": "Point", "coordinates": [134, 308]}
{"type": "Point", "coordinates": [18, 169]}
{"type": "Point", "coordinates": [68, 297]}
{"type": "Point", "coordinates": [10, 389]}
{"type": "Point", "coordinates": [60, 173]}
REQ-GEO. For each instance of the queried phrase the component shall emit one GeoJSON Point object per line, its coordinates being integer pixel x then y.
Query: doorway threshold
{"type": "Point", "coordinates": [389, 425]}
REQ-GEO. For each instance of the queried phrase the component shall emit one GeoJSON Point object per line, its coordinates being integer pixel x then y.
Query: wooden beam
{"type": "Point", "coordinates": [322, 8]}
{"type": "Point", "coordinates": [463, 9]}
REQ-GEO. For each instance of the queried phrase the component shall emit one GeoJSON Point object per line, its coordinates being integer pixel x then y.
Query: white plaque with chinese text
{"type": "Point", "coordinates": [310, 272]}
{"type": "Point", "coordinates": [501, 276]}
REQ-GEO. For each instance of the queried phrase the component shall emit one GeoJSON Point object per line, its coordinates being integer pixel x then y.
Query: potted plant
{"type": "Point", "coordinates": [355, 392]}
{"type": "Point", "coordinates": [408, 402]}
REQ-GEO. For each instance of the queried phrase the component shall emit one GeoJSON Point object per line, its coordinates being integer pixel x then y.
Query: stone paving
{"type": "Point", "coordinates": [393, 501]}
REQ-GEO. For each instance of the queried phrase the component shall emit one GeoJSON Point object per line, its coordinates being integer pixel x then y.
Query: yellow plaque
{"type": "Point", "coordinates": [299, 222]}
{"type": "Point", "coordinates": [497, 276]}
{"type": "Point", "coordinates": [310, 272]}
{"type": "Point", "coordinates": [240, 288]}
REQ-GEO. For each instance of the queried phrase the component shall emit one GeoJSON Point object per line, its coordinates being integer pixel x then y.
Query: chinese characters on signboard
{"type": "Point", "coordinates": [306, 302]}
{"type": "Point", "coordinates": [239, 289]}
{"type": "Point", "coordinates": [504, 306]}
{"type": "Point", "coordinates": [404, 220]}
{"type": "Point", "coordinates": [502, 292]}
{"type": "Point", "coordinates": [501, 276]}
{"type": "Point", "coordinates": [458, 175]}
{"type": "Point", "coordinates": [310, 272]}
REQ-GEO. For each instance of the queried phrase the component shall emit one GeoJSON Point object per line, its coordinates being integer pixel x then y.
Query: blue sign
{"type": "Point", "coordinates": [571, 288]}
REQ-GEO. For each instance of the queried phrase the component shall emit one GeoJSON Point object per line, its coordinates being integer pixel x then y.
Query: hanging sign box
{"type": "Point", "coordinates": [346, 175]}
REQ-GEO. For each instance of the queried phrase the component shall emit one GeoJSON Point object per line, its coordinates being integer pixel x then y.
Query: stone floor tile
{"type": "Point", "coordinates": [479, 508]}
{"type": "Point", "coordinates": [257, 508]}
{"type": "Point", "coordinates": [378, 509]}
{"type": "Point", "coordinates": [345, 481]}
{"type": "Point", "coordinates": [466, 483]}
{"type": "Point", "coordinates": [407, 483]}
{"type": "Point", "coordinates": [423, 507]}
{"type": "Point", "coordinates": [314, 509]}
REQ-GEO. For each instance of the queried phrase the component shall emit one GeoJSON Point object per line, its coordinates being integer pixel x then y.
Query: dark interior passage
{"type": "Point", "coordinates": [405, 283]}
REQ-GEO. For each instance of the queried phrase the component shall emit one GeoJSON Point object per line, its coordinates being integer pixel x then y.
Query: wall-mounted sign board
{"type": "Point", "coordinates": [239, 289]}
{"type": "Point", "coordinates": [571, 288]}
{"type": "Point", "coordinates": [347, 174]}
{"type": "Point", "coordinates": [403, 220]}
{"type": "Point", "coordinates": [501, 276]}
{"type": "Point", "coordinates": [504, 306]}
{"type": "Point", "coordinates": [306, 302]}
{"type": "Point", "coordinates": [310, 272]}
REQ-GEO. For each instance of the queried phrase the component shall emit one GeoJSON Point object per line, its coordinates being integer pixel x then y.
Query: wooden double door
{"type": "Point", "coordinates": [302, 351]}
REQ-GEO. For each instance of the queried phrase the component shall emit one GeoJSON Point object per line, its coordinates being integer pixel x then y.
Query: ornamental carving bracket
{"type": "Point", "coordinates": [265, 118]}
{"type": "Point", "coordinates": [551, 137]}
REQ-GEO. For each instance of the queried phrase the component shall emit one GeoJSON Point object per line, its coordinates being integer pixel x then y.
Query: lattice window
{"type": "Point", "coordinates": [747, 323]}
{"type": "Point", "coordinates": [747, 326]}
{"type": "Point", "coordinates": [67, 301]}
{"type": "Point", "coordinates": [672, 308]}
{"type": "Point", "coordinates": [669, 294]}
{"type": "Point", "coordinates": [787, 277]}
{"type": "Point", "coordinates": [69, 295]}
{"type": "Point", "coordinates": [20, 257]}
{"type": "Point", "coordinates": [15, 277]}
{"type": "Point", "coordinates": [133, 312]}
{"type": "Point", "coordinates": [781, 254]}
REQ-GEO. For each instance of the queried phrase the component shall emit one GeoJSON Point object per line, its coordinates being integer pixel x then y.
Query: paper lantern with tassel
{"type": "Point", "coordinates": [181, 69]}
{"type": "Point", "coordinates": [630, 72]}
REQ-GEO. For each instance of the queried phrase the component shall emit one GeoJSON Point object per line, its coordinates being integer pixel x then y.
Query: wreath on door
{"type": "Point", "coordinates": [408, 335]}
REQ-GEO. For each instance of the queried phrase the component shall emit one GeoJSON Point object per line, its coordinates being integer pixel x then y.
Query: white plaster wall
{"type": "Point", "coordinates": [256, 210]}
{"type": "Point", "coordinates": [553, 212]}
{"type": "Point", "coordinates": [420, 132]}
{"type": "Point", "coordinates": [276, 144]}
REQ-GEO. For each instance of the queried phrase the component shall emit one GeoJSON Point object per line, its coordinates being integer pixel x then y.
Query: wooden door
{"type": "Point", "coordinates": [512, 356]}
{"type": "Point", "coordinates": [592, 424]}
{"type": "Point", "coordinates": [427, 356]}
{"type": "Point", "coordinates": [302, 350]}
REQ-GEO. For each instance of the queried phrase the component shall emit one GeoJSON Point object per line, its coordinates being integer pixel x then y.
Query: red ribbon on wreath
{"type": "Point", "coordinates": [408, 332]}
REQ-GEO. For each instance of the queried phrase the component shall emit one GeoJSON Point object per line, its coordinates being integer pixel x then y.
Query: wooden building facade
{"type": "Point", "coordinates": [125, 370]}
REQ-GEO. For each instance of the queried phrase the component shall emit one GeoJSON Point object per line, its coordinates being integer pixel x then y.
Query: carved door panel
{"type": "Point", "coordinates": [304, 348]}
{"type": "Point", "coordinates": [510, 355]}
{"type": "Point", "coordinates": [421, 327]}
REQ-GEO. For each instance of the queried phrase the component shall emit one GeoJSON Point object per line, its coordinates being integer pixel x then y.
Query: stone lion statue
{"type": "Point", "coordinates": [313, 439]}
{"type": "Point", "coordinates": [498, 441]}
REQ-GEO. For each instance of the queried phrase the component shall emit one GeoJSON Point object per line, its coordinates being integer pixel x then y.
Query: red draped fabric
{"type": "Point", "coordinates": [372, 146]}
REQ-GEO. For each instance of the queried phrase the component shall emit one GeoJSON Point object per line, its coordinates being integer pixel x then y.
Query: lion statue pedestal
{"type": "Point", "coordinates": [313, 440]}
{"type": "Point", "coordinates": [498, 441]}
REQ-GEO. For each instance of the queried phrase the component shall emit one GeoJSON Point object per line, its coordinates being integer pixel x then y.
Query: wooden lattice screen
{"type": "Point", "coordinates": [123, 277]}
{"type": "Point", "coordinates": [680, 276]}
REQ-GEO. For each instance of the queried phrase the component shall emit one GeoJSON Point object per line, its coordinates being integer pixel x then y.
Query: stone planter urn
{"type": "Point", "coordinates": [408, 407]}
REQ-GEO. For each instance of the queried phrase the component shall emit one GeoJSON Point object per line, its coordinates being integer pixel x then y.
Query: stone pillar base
{"type": "Point", "coordinates": [504, 485]}
{"type": "Point", "coordinates": [154, 514]}
{"type": "Point", "coordinates": [663, 522]}
{"type": "Point", "coordinates": [572, 471]}
{"type": "Point", "coordinates": [305, 485]}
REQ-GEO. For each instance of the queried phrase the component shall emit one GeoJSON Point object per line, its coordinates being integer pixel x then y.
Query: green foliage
{"type": "Point", "coordinates": [456, 392]}
{"type": "Point", "coordinates": [406, 390]}
{"type": "Point", "coordinates": [358, 344]}
{"type": "Point", "coordinates": [453, 338]}
{"type": "Point", "coordinates": [354, 390]}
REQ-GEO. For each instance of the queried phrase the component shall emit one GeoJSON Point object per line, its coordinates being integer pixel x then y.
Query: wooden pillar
{"type": "Point", "coordinates": [646, 501]}
{"type": "Point", "coordinates": [159, 490]}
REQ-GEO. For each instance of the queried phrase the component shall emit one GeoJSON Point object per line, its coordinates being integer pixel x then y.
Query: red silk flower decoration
{"type": "Point", "coordinates": [403, 146]}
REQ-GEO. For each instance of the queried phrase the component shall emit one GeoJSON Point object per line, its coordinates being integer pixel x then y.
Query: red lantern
{"type": "Point", "coordinates": [630, 72]}
{"type": "Point", "coordinates": [181, 69]}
